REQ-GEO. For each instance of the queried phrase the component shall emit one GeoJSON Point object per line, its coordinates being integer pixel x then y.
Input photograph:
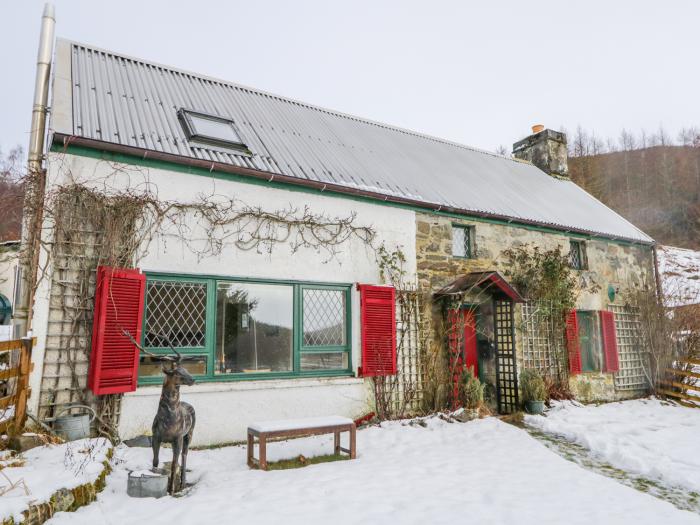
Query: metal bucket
{"type": "Point", "coordinates": [147, 485]}
{"type": "Point", "coordinates": [73, 426]}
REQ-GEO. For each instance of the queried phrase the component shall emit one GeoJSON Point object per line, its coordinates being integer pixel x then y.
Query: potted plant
{"type": "Point", "coordinates": [472, 394]}
{"type": "Point", "coordinates": [534, 391]}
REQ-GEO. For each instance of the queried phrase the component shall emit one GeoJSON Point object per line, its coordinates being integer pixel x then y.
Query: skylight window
{"type": "Point", "coordinates": [209, 129]}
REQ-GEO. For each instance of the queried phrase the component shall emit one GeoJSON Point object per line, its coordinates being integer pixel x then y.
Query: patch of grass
{"type": "Point", "coordinates": [301, 461]}
{"type": "Point", "coordinates": [220, 445]}
{"type": "Point", "coordinates": [516, 418]}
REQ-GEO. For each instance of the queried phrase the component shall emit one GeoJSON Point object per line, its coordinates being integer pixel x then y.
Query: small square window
{"type": "Point", "coordinates": [210, 129]}
{"type": "Point", "coordinates": [577, 255]}
{"type": "Point", "coordinates": [463, 241]}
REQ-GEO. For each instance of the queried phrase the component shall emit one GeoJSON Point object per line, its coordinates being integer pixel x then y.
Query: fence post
{"type": "Point", "coordinates": [25, 361]}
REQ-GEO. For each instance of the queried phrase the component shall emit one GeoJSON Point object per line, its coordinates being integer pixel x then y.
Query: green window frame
{"type": "Point", "coordinates": [326, 350]}
{"type": "Point", "coordinates": [463, 241]}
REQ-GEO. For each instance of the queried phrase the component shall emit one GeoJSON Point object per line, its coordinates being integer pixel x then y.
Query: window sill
{"type": "Point", "coordinates": [263, 384]}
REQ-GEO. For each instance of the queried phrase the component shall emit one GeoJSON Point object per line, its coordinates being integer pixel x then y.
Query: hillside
{"type": "Point", "coordinates": [656, 188]}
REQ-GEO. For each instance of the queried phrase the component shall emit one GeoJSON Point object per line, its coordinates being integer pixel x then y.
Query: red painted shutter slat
{"type": "Point", "coordinates": [572, 343]}
{"type": "Point", "coordinates": [378, 327]}
{"type": "Point", "coordinates": [119, 301]}
{"type": "Point", "coordinates": [607, 325]}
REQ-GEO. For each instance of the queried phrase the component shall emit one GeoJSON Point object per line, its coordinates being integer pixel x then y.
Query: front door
{"type": "Point", "coordinates": [463, 353]}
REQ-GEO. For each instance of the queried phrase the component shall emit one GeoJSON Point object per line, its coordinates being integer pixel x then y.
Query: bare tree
{"type": "Point", "coordinates": [11, 194]}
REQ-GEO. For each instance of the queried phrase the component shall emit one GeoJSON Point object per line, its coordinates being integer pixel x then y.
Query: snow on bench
{"type": "Point", "coordinates": [295, 428]}
{"type": "Point", "coordinates": [297, 424]}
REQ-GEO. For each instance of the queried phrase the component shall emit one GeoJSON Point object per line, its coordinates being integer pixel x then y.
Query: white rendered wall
{"type": "Point", "coordinates": [224, 409]}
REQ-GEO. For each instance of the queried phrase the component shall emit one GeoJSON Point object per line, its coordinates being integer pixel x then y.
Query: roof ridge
{"type": "Point", "coordinates": [290, 100]}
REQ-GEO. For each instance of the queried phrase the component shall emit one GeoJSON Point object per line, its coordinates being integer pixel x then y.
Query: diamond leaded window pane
{"type": "Point", "coordinates": [461, 241]}
{"type": "Point", "coordinates": [324, 317]}
{"type": "Point", "coordinates": [575, 258]}
{"type": "Point", "coordinates": [176, 314]}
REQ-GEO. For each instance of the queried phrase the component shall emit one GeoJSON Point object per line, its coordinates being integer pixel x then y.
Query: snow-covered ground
{"type": "Point", "coordinates": [680, 275]}
{"type": "Point", "coordinates": [47, 469]}
{"type": "Point", "coordinates": [484, 471]}
{"type": "Point", "coordinates": [647, 437]}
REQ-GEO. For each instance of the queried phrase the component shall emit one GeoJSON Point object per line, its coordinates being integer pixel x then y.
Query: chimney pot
{"type": "Point", "coordinates": [537, 128]}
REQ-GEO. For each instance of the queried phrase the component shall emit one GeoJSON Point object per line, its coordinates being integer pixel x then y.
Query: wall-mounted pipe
{"type": "Point", "coordinates": [36, 183]}
{"type": "Point", "coordinates": [41, 88]}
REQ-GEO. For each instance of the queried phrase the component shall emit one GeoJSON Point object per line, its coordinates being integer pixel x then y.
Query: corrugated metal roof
{"type": "Point", "coordinates": [131, 102]}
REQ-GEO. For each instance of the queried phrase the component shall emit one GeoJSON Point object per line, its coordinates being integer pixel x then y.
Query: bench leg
{"type": "Point", "coordinates": [263, 451]}
{"type": "Point", "coordinates": [353, 449]}
{"type": "Point", "coordinates": [336, 443]}
{"type": "Point", "coordinates": [251, 445]}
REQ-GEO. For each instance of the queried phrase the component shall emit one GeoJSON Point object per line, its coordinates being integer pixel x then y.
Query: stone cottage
{"type": "Point", "coordinates": [254, 251]}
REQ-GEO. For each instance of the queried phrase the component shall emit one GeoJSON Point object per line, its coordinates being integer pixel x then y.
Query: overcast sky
{"type": "Point", "coordinates": [480, 73]}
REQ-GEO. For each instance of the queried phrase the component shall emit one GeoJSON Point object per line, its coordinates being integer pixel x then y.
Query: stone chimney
{"type": "Point", "coordinates": [546, 149]}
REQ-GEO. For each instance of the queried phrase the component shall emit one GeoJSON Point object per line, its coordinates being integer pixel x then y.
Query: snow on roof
{"type": "Point", "coordinates": [130, 102]}
{"type": "Point", "coordinates": [679, 269]}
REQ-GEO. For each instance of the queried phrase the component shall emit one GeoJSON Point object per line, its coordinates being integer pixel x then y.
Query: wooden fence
{"type": "Point", "coordinates": [13, 406]}
{"type": "Point", "coordinates": [685, 393]}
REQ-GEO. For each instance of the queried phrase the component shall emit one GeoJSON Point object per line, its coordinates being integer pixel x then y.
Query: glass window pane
{"type": "Point", "coordinates": [324, 361]}
{"type": "Point", "coordinates": [195, 365]}
{"type": "Point", "coordinates": [254, 328]}
{"type": "Point", "coordinates": [459, 241]}
{"type": "Point", "coordinates": [324, 317]}
{"type": "Point", "coordinates": [574, 255]}
{"type": "Point", "coordinates": [176, 312]}
{"type": "Point", "coordinates": [590, 342]}
{"type": "Point", "coordinates": [216, 129]}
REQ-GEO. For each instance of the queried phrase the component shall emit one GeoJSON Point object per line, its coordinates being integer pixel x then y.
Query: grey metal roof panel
{"type": "Point", "coordinates": [131, 102]}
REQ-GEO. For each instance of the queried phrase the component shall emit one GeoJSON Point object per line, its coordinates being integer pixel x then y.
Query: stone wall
{"type": "Point", "coordinates": [611, 265]}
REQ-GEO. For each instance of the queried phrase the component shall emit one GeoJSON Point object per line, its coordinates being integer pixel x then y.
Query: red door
{"type": "Point", "coordinates": [462, 338]}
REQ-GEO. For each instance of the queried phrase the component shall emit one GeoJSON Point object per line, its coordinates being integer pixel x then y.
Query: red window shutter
{"type": "Point", "coordinates": [378, 320]}
{"type": "Point", "coordinates": [119, 302]}
{"type": "Point", "coordinates": [607, 327]}
{"type": "Point", "coordinates": [572, 343]}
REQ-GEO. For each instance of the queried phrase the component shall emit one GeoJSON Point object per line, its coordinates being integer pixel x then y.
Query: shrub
{"type": "Point", "coordinates": [472, 390]}
{"type": "Point", "coordinates": [532, 385]}
{"type": "Point", "coordinates": [557, 390]}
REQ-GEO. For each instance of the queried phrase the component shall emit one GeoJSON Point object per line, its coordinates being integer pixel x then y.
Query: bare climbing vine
{"type": "Point", "coordinates": [400, 395]}
{"type": "Point", "coordinates": [113, 220]}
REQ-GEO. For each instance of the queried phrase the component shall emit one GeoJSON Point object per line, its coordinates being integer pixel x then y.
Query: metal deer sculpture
{"type": "Point", "coordinates": [174, 421]}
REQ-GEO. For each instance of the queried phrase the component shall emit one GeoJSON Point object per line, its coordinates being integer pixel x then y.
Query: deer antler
{"type": "Point", "coordinates": [157, 357]}
{"type": "Point", "coordinates": [167, 340]}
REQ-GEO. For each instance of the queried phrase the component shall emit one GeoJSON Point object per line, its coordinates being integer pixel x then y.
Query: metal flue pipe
{"type": "Point", "coordinates": [41, 88]}
{"type": "Point", "coordinates": [36, 183]}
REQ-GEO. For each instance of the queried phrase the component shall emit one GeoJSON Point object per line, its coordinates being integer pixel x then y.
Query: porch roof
{"type": "Point", "coordinates": [491, 281]}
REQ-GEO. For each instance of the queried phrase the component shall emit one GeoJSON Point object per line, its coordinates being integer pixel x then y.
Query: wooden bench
{"type": "Point", "coordinates": [291, 428]}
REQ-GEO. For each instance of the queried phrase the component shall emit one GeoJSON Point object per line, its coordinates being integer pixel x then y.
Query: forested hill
{"type": "Point", "coordinates": [656, 188]}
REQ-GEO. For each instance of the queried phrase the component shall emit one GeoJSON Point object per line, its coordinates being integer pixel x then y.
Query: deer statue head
{"type": "Point", "coordinates": [176, 374]}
